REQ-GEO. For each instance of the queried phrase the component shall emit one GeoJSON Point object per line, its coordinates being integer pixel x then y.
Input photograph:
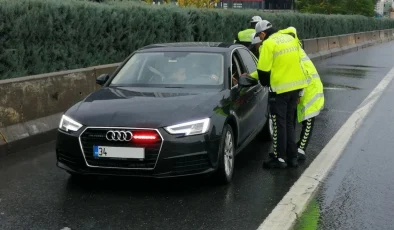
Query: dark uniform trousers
{"type": "Point", "coordinates": [306, 132]}
{"type": "Point", "coordinates": [282, 107]}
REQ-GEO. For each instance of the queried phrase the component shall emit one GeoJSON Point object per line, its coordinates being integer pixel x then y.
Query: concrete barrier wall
{"type": "Point", "coordinates": [32, 105]}
{"type": "Point", "coordinates": [324, 50]}
{"type": "Point", "coordinates": [375, 35]}
{"type": "Point", "coordinates": [310, 46]}
{"type": "Point", "coordinates": [381, 34]}
{"type": "Point", "coordinates": [360, 38]}
{"type": "Point", "coordinates": [368, 36]}
{"type": "Point", "coordinates": [390, 33]}
{"type": "Point", "coordinates": [334, 46]}
{"type": "Point", "coordinates": [29, 98]}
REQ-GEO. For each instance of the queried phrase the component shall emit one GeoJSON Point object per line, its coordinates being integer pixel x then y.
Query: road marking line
{"type": "Point", "coordinates": [284, 215]}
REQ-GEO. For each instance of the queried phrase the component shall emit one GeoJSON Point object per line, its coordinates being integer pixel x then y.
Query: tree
{"type": "Point", "coordinates": [360, 7]}
{"type": "Point", "coordinates": [321, 6]}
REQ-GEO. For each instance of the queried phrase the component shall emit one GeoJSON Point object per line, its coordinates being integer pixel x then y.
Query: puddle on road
{"type": "Point", "coordinates": [358, 66]}
{"type": "Point", "coordinates": [353, 73]}
{"type": "Point", "coordinates": [330, 86]}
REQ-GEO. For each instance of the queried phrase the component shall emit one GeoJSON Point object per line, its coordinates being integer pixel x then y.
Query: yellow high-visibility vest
{"type": "Point", "coordinates": [312, 100]}
{"type": "Point", "coordinates": [245, 35]}
{"type": "Point", "coordinates": [280, 54]}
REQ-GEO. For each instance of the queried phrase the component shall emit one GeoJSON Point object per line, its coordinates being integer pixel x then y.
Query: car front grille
{"type": "Point", "coordinates": [97, 136]}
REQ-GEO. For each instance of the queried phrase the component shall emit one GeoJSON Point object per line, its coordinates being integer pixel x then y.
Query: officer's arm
{"type": "Point", "coordinates": [265, 64]}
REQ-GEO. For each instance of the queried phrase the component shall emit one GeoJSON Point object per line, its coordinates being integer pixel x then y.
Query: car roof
{"type": "Point", "coordinates": [211, 47]}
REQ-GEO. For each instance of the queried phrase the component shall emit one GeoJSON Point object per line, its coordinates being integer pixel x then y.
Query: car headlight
{"type": "Point", "coordinates": [67, 124]}
{"type": "Point", "coordinates": [190, 128]}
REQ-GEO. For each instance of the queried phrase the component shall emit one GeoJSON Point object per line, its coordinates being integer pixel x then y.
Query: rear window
{"type": "Point", "coordinates": [166, 69]}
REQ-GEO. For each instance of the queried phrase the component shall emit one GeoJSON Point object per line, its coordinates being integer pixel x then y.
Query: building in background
{"type": "Point", "coordinates": [387, 5]}
{"type": "Point", "coordinates": [266, 5]}
{"type": "Point", "coordinates": [383, 8]}
{"type": "Point", "coordinates": [277, 5]}
{"type": "Point", "coordinates": [280, 4]}
{"type": "Point", "coordinates": [241, 4]}
{"type": "Point", "coordinates": [379, 7]}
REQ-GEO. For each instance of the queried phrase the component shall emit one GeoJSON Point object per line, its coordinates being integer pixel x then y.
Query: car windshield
{"type": "Point", "coordinates": [172, 69]}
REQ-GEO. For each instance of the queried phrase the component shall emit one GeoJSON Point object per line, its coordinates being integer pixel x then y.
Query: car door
{"type": "Point", "coordinates": [244, 100]}
{"type": "Point", "coordinates": [260, 93]}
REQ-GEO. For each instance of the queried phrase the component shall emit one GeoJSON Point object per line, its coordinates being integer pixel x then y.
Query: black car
{"type": "Point", "coordinates": [168, 110]}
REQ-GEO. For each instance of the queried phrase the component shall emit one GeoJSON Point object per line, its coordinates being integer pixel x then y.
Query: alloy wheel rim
{"type": "Point", "coordinates": [228, 153]}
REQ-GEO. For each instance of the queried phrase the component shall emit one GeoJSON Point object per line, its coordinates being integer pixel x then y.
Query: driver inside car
{"type": "Point", "coordinates": [205, 71]}
{"type": "Point", "coordinates": [179, 75]}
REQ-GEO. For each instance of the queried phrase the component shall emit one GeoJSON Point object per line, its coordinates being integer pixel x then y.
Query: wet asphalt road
{"type": "Point", "coordinates": [359, 193]}
{"type": "Point", "coordinates": [35, 194]}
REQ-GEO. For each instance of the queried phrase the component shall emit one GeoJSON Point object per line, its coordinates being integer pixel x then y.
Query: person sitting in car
{"type": "Point", "coordinates": [179, 75]}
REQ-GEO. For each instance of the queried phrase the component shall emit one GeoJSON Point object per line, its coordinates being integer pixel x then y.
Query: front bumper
{"type": "Point", "coordinates": [172, 156]}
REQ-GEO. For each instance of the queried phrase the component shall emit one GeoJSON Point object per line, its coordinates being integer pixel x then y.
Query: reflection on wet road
{"type": "Point", "coordinates": [359, 192]}
{"type": "Point", "coordinates": [34, 194]}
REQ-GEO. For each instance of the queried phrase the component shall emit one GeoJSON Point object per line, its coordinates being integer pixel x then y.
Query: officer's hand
{"type": "Point", "coordinates": [235, 82]}
{"type": "Point", "coordinates": [266, 85]}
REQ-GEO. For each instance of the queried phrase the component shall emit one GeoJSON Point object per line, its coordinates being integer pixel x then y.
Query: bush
{"type": "Point", "coordinates": [39, 36]}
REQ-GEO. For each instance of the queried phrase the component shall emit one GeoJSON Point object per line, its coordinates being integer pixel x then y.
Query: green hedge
{"type": "Point", "coordinates": [40, 36]}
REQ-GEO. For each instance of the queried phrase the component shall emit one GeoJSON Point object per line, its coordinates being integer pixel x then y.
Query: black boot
{"type": "Point", "coordinates": [292, 162]}
{"type": "Point", "coordinates": [274, 162]}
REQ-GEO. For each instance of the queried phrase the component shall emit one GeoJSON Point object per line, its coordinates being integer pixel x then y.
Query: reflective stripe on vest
{"type": "Point", "coordinates": [307, 59]}
{"type": "Point", "coordinates": [245, 35]}
{"type": "Point", "coordinates": [281, 87]}
{"type": "Point", "coordinates": [285, 52]}
{"type": "Point", "coordinates": [310, 103]}
{"type": "Point", "coordinates": [314, 114]}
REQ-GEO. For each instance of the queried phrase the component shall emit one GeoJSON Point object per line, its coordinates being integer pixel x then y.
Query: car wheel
{"type": "Point", "coordinates": [226, 156]}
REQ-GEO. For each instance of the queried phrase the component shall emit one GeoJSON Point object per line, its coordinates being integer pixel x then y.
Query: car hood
{"type": "Point", "coordinates": [128, 107]}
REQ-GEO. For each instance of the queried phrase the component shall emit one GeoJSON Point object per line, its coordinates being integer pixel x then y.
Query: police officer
{"type": "Point", "coordinates": [311, 102]}
{"type": "Point", "coordinates": [243, 37]}
{"type": "Point", "coordinates": [280, 68]}
{"type": "Point", "coordinates": [255, 45]}
{"type": "Point", "coordinates": [310, 105]}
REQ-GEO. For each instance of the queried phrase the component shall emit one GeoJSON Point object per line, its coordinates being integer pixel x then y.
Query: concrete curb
{"type": "Point", "coordinates": [20, 136]}
{"type": "Point", "coordinates": [50, 93]}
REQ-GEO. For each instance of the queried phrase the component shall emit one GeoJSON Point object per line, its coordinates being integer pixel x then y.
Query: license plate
{"type": "Point", "coordinates": [118, 152]}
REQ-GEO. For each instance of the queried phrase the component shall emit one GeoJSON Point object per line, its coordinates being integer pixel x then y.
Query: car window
{"type": "Point", "coordinates": [165, 69]}
{"type": "Point", "coordinates": [235, 69]}
{"type": "Point", "coordinates": [248, 60]}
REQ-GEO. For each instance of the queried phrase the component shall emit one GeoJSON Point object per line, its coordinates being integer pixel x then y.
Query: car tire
{"type": "Point", "coordinates": [227, 149]}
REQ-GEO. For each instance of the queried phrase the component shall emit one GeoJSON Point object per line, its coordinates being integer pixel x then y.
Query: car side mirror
{"type": "Point", "coordinates": [102, 79]}
{"type": "Point", "coordinates": [247, 81]}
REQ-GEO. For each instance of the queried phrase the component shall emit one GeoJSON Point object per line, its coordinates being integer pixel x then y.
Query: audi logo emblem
{"type": "Point", "coordinates": [119, 135]}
